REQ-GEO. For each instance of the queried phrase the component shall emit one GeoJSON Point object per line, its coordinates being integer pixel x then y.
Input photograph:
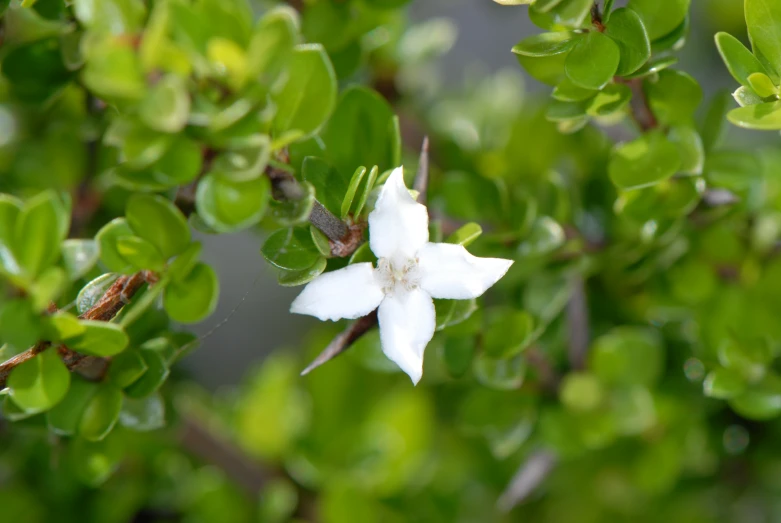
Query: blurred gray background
{"type": "Point", "coordinates": [261, 321]}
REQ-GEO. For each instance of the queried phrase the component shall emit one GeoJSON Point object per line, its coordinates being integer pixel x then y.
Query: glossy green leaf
{"type": "Point", "coordinates": [227, 205]}
{"type": "Point", "coordinates": [545, 236]}
{"type": "Point", "coordinates": [143, 414]}
{"type": "Point", "coordinates": [40, 383]}
{"type": "Point", "coordinates": [763, 116]}
{"type": "Point", "coordinates": [458, 355]}
{"type": "Point", "coordinates": [35, 71]}
{"type": "Point", "coordinates": [453, 312]}
{"type": "Point", "coordinates": [150, 381]}
{"type": "Point", "coordinates": [507, 332]}
{"type": "Point", "coordinates": [660, 18]}
{"type": "Point", "coordinates": [626, 29]}
{"type": "Point", "coordinates": [140, 253]}
{"type": "Point", "coordinates": [310, 92]}
{"type": "Point", "coordinates": [181, 267]}
{"type": "Point", "coordinates": [547, 44]}
{"type": "Point", "coordinates": [644, 162]}
{"type": "Point", "coordinates": [158, 221]}
{"type": "Point", "coordinates": [295, 278]}
{"type": "Point", "coordinates": [763, 19]}
{"type": "Point", "coordinates": [500, 374]}
{"type": "Point", "coordinates": [91, 293]}
{"type": "Point", "coordinates": [739, 61]}
{"type": "Point", "coordinates": [63, 325]}
{"type": "Point", "coordinates": [723, 384]}
{"type": "Point", "coordinates": [714, 124]}
{"type": "Point", "coordinates": [272, 43]}
{"type": "Point", "coordinates": [101, 413]}
{"type": "Point", "coordinates": [653, 66]}
{"type": "Point", "coordinates": [246, 162]}
{"type": "Point", "coordinates": [627, 356]}
{"type": "Point", "coordinates": [64, 418]}
{"type": "Point", "coordinates": [38, 233]}
{"type": "Point", "coordinates": [180, 163]}
{"type": "Point", "coordinates": [760, 402]}
{"type": "Point", "coordinates": [20, 324]}
{"type": "Point", "coordinates": [99, 338]}
{"type": "Point", "coordinates": [465, 234]}
{"type": "Point", "coordinates": [566, 91]}
{"type": "Point", "coordinates": [79, 256]}
{"type": "Point", "coordinates": [113, 71]}
{"type": "Point", "coordinates": [126, 368]}
{"type": "Point", "coordinates": [762, 85]}
{"type": "Point", "coordinates": [167, 106]}
{"type": "Point", "coordinates": [674, 97]}
{"type": "Point", "coordinates": [690, 148]}
{"type": "Point", "coordinates": [194, 297]}
{"type": "Point", "coordinates": [329, 184]}
{"type": "Point", "coordinates": [610, 100]}
{"type": "Point", "coordinates": [352, 188]}
{"type": "Point", "coordinates": [107, 239]}
{"type": "Point", "coordinates": [593, 61]}
{"type": "Point", "coordinates": [93, 463]}
{"type": "Point", "coordinates": [362, 194]}
{"type": "Point", "coordinates": [291, 249]}
{"type": "Point", "coordinates": [362, 131]}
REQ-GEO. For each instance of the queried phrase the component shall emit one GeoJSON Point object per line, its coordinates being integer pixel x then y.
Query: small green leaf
{"type": "Point", "coordinates": [329, 185]}
{"type": "Point", "coordinates": [140, 253]}
{"type": "Point", "coordinates": [674, 97]}
{"type": "Point", "coordinates": [465, 234]}
{"type": "Point", "coordinates": [746, 96]}
{"type": "Point", "coordinates": [288, 213]}
{"type": "Point", "coordinates": [352, 188]}
{"type": "Point", "coordinates": [627, 356]}
{"type": "Point", "coordinates": [581, 392]}
{"type": "Point", "coordinates": [107, 239]}
{"type": "Point", "coordinates": [227, 205]}
{"type": "Point", "coordinates": [566, 91]}
{"type": "Point", "coordinates": [644, 162]}
{"type": "Point", "coordinates": [79, 256]}
{"type": "Point", "coordinates": [113, 71]}
{"type": "Point", "coordinates": [48, 287]}
{"type": "Point", "coordinates": [762, 85]}
{"type": "Point", "coordinates": [40, 383]}
{"type": "Point", "coordinates": [321, 241]}
{"type": "Point", "coordinates": [99, 339]}
{"type": "Point", "coordinates": [653, 67]}
{"type": "Point", "coordinates": [246, 162]}
{"type": "Point", "coordinates": [545, 236]}
{"type": "Point", "coordinates": [507, 332]}
{"type": "Point", "coordinates": [593, 61]}
{"type": "Point", "coordinates": [610, 100]}
{"type": "Point", "coordinates": [458, 355]}
{"type": "Point", "coordinates": [453, 312]}
{"type": "Point", "coordinates": [628, 32]}
{"type": "Point", "coordinates": [94, 462]}
{"type": "Point", "coordinates": [660, 18]}
{"type": "Point", "coordinates": [194, 297]}
{"type": "Point", "coordinates": [158, 221]}
{"type": "Point", "coordinates": [64, 418]}
{"type": "Point", "coordinates": [763, 19]}
{"type": "Point", "coordinates": [179, 165]}
{"type": "Point", "coordinates": [143, 414]}
{"type": "Point", "coordinates": [181, 267]}
{"type": "Point", "coordinates": [150, 381]}
{"type": "Point", "coordinates": [500, 374]}
{"type": "Point", "coordinates": [547, 44]}
{"type": "Point", "coordinates": [126, 368]}
{"type": "Point", "coordinates": [91, 293]}
{"type": "Point", "coordinates": [714, 123]}
{"type": "Point", "coordinates": [740, 62]}
{"type": "Point", "coordinates": [295, 278]}
{"type": "Point", "coordinates": [363, 254]}
{"type": "Point", "coordinates": [166, 107]}
{"type": "Point", "coordinates": [290, 249]}
{"type": "Point", "coordinates": [723, 384]}
{"type": "Point", "coordinates": [309, 95]}
{"type": "Point", "coordinates": [62, 325]}
{"type": "Point", "coordinates": [761, 401]}
{"type": "Point", "coordinates": [362, 194]}
{"type": "Point", "coordinates": [272, 43]}
{"type": "Point", "coordinates": [38, 233]}
{"type": "Point", "coordinates": [101, 413]}
{"type": "Point", "coordinates": [20, 325]}
{"type": "Point", "coordinates": [763, 116]}
{"type": "Point", "coordinates": [690, 148]}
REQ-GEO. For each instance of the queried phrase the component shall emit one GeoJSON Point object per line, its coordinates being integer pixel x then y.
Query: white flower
{"type": "Point", "coordinates": [411, 271]}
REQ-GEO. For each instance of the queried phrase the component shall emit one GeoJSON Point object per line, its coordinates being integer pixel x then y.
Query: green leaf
{"type": "Point", "coordinates": [763, 116]}
{"type": "Point", "coordinates": [547, 44]}
{"type": "Point", "coordinates": [546, 69]}
{"type": "Point", "coordinates": [507, 332]}
{"type": "Point", "coordinates": [20, 325]}
{"type": "Point", "coordinates": [101, 413]}
{"type": "Point", "coordinates": [143, 414]}
{"type": "Point", "coordinates": [64, 418]}
{"type": "Point", "coordinates": [763, 19]}
{"type": "Point", "coordinates": [644, 162]}
{"type": "Point", "coordinates": [627, 356]}
{"type": "Point", "coordinates": [545, 236]}
{"type": "Point", "coordinates": [723, 384]}
{"type": "Point", "coordinates": [38, 233]}
{"type": "Point", "coordinates": [40, 383]}
{"type": "Point", "coordinates": [362, 194]}
{"type": "Point", "coordinates": [310, 92]}
{"type": "Point", "coordinates": [126, 368]}
{"type": "Point", "coordinates": [746, 96]}
{"type": "Point", "coordinates": [760, 402]}
{"type": "Point", "coordinates": [294, 278]}
{"type": "Point", "coordinates": [288, 213]}
{"type": "Point", "coordinates": [99, 339]}
{"type": "Point", "coordinates": [566, 91]}
{"type": "Point", "coordinates": [79, 257]}
{"type": "Point", "coordinates": [453, 312]}
{"type": "Point", "coordinates": [736, 170]}
{"type": "Point", "coordinates": [458, 355]}
{"type": "Point", "coordinates": [740, 62]}
{"type": "Point", "coordinates": [291, 249]}
{"type": "Point", "coordinates": [500, 374]}
{"type": "Point", "coordinates": [610, 100]}
{"type": "Point", "coordinates": [227, 205]}
{"type": "Point", "coordinates": [660, 18]}
{"type": "Point", "coordinates": [581, 392]}
{"type": "Point", "coordinates": [140, 253]}
{"type": "Point", "coordinates": [150, 381]}
{"type": "Point", "coordinates": [158, 221]}
{"type": "Point", "coordinates": [246, 162]}
{"type": "Point", "coordinates": [194, 297]}
{"type": "Point", "coordinates": [183, 265]}
{"type": "Point", "coordinates": [107, 239]}
{"type": "Point", "coordinates": [626, 29]}
{"type": "Point", "coordinates": [653, 67]}
{"type": "Point", "coordinates": [714, 123]}
{"type": "Point", "coordinates": [91, 293]}
{"type": "Point", "coordinates": [35, 71]}
{"type": "Point", "coordinates": [62, 325]}
{"type": "Point", "coordinates": [321, 241]}
{"type": "Point", "coordinates": [593, 61]}
{"type": "Point", "coordinates": [762, 85]}
{"type": "Point", "coordinates": [362, 131]}
{"type": "Point", "coordinates": [179, 165]}
{"type": "Point", "coordinates": [48, 287]}
{"type": "Point", "coordinates": [690, 148]}
{"type": "Point", "coordinates": [113, 71]}
{"type": "Point", "coordinates": [329, 185]}
{"type": "Point", "coordinates": [166, 108]}
{"type": "Point", "coordinates": [272, 43]}
{"type": "Point", "coordinates": [674, 97]}
{"type": "Point", "coordinates": [465, 234]}
{"type": "Point", "coordinates": [10, 208]}
{"type": "Point", "coordinates": [352, 188]}
{"type": "Point", "coordinates": [114, 16]}
{"type": "Point", "coordinates": [93, 462]}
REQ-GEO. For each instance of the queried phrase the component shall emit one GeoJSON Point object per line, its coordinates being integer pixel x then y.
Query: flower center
{"type": "Point", "coordinates": [398, 274]}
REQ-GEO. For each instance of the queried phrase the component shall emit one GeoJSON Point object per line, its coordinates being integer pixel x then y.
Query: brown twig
{"type": "Point", "coordinates": [109, 305]}
{"type": "Point", "coordinates": [578, 326]}
{"type": "Point", "coordinates": [640, 107]}
{"type": "Point", "coordinates": [343, 341]}
{"type": "Point", "coordinates": [596, 18]}
{"type": "Point", "coordinates": [530, 475]}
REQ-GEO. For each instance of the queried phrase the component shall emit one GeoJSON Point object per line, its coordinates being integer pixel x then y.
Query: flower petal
{"type": "Point", "coordinates": [398, 225]}
{"type": "Point", "coordinates": [448, 271]}
{"type": "Point", "coordinates": [407, 322]}
{"type": "Point", "coordinates": [348, 293]}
